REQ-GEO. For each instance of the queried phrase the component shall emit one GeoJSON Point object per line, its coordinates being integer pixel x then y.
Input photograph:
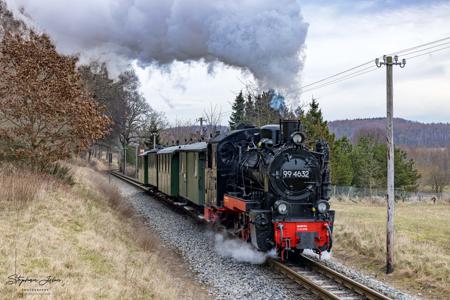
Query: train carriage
{"type": "Point", "coordinates": [143, 167]}
{"type": "Point", "coordinates": [152, 170]}
{"type": "Point", "coordinates": [168, 170]}
{"type": "Point", "coordinates": [192, 172]}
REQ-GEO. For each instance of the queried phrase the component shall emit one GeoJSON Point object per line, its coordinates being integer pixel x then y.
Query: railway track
{"type": "Point", "coordinates": [324, 281]}
{"type": "Point", "coordinates": [319, 279]}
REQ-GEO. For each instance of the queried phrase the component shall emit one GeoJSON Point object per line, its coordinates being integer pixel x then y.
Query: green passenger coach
{"type": "Point", "coordinates": [152, 168]}
{"type": "Point", "coordinates": [192, 172]}
{"type": "Point", "coordinates": [143, 168]}
{"type": "Point", "coordinates": [168, 170]}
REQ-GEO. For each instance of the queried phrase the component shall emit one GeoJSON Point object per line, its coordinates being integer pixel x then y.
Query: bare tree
{"type": "Point", "coordinates": [136, 109]}
{"type": "Point", "coordinates": [155, 122]}
{"type": "Point", "coordinates": [434, 165]}
{"type": "Point", "coordinates": [181, 132]}
{"type": "Point", "coordinates": [439, 170]}
{"type": "Point", "coordinates": [213, 117]}
{"type": "Point", "coordinates": [8, 23]}
{"type": "Point", "coordinates": [107, 92]}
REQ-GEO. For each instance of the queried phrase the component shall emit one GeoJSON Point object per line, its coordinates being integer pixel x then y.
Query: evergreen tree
{"type": "Point", "coordinates": [249, 107]}
{"type": "Point", "coordinates": [405, 172]}
{"type": "Point", "coordinates": [315, 127]}
{"type": "Point", "coordinates": [366, 168]}
{"type": "Point", "coordinates": [341, 163]}
{"type": "Point", "coordinates": [264, 114]}
{"type": "Point", "coordinates": [238, 111]}
{"type": "Point", "coordinates": [369, 163]}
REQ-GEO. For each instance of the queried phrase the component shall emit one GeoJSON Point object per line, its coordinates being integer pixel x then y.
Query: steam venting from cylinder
{"type": "Point", "coordinates": [264, 37]}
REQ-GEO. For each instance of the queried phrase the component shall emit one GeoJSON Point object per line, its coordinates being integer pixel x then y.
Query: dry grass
{"type": "Point", "coordinates": [422, 243]}
{"type": "Point", "coordinates": [86, 236]}
{"type": "Point", "coordinates": [17, 189]}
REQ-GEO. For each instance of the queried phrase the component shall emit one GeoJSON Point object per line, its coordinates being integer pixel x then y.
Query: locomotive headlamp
{"type": "Point", "coordinates": [323, 206]}
{"type": "Point", "coordinates": [281, 207]}
{"type": "Point", "coordinates": [297, 138]}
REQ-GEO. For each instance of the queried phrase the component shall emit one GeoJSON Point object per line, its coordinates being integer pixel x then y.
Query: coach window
{"type": "Point", "coordinates": [195, 164]}
{"type": "Point", "coordinates": [182, 162]}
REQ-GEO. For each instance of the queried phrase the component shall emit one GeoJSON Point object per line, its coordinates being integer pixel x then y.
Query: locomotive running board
{"type": "Point", "coordinates": [238, 204]}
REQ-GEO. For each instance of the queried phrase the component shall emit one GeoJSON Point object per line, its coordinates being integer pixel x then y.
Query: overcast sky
{"type": "Point", "coordinates": [340, 36]}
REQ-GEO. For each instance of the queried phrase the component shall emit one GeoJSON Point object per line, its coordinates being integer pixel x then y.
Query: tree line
{"type": "Point", "coordinates": [361, 163]}
{"type": "Point", "coordinates": [134, 121]}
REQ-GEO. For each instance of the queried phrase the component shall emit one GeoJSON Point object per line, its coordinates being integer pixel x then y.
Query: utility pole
{"type": "Point", "coordinates": [201, 127]}
{"type": "Point", "coordinates": [154, 134]}
{"type": "Point", "coordinates": [125, 160]}
{"type": "Point", "coordinates": [389, 62]}
{"type": "Point", "coordinates": [136, 172]}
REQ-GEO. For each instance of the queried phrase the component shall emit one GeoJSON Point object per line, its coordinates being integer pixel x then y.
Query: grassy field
{"type": "Point", "coordinates": [422, 244]}
{"type": "Point", "coordinates": [85, 237]}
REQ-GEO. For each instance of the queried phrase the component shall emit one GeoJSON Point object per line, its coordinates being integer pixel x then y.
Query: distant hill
{"type": "Point", "coordinates": [408, 133]}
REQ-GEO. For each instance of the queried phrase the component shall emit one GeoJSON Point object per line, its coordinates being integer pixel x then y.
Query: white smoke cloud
{"type": "Point", "coordinates": [240, 250]}
{"type": "Point", "coordinates": [265, 37]}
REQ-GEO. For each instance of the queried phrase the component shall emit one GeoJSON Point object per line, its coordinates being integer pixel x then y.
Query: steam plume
{"type": "Point", "coordinates": [265, 37]}
{"type": "Point", "coordinates": [239, 250]}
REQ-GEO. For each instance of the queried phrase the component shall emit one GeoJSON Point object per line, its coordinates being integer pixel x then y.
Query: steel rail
{"type": "Point", "coordinates": [130, 180]}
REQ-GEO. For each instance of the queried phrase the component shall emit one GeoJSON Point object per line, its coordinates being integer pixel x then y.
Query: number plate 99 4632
{"type": "Point", "coordinates": [295, 173]}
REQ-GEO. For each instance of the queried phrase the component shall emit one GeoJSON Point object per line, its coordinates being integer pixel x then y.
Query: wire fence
{"type": "Point", "coordinates": [358, 194]}
{"type": "Point", "coordinates": [123, 159]}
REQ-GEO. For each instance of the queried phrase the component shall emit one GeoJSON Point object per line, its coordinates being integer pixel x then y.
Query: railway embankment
{"type": "Point", "coordinates": [81, 241]}
{"type": "Point", "coordinates": [231, 269]}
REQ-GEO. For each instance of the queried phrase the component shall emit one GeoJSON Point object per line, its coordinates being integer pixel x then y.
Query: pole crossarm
{"type": "Point", "coordinates": [389, 60]}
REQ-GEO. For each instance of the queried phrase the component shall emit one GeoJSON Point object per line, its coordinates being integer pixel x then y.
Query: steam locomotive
{"type": "Point", "coordinates": [263, 184]}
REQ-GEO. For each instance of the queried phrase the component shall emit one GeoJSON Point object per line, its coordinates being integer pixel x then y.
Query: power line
{"type": "Point", "coordinates": [370, 69]}
{"type": "Point", "coordinates": [437, 50]}
{"type": "Point", "coordinates": [340, 73]}
{"type": "Point", "coordinates": [311, 86]}
{"type": "Point", "coordinates": [420, 46]}
{"type": "Point", "coordinates": [428, 48]}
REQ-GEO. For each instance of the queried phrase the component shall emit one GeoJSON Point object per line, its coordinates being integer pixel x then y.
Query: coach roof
{"type": "Point", "coordinates": [201, 146]}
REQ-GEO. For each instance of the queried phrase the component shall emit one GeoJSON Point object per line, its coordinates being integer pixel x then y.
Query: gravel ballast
{"type": "Point", "coordinates": [224, 265]}
{"type": "Point", "coordinates": [226, 277]}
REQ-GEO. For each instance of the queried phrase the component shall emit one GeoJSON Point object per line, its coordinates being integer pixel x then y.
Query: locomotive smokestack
{"type": "Point", "coordinates": [287, 128]}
